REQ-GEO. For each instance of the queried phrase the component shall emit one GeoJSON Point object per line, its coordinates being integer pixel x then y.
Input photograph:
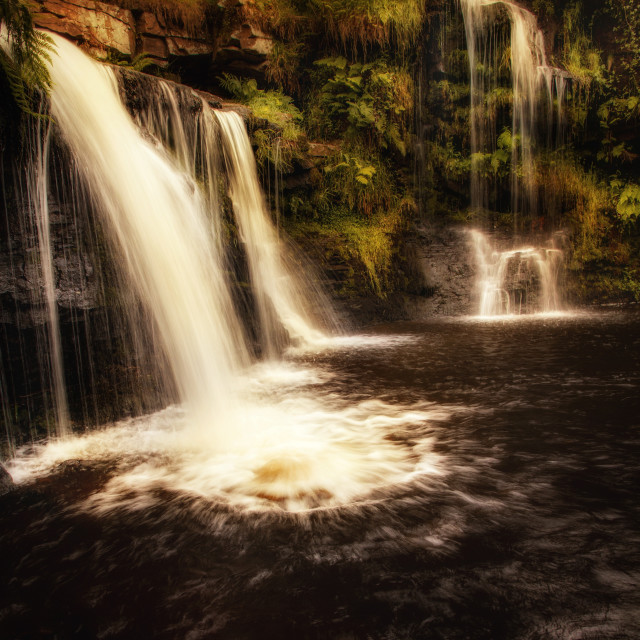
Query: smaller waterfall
{"type": "Point", "coordinates": [516, 281]}
{"type": "Point", "coordinates": [531, 79]}
{"type": "Point", "coordinates": [282, 299]}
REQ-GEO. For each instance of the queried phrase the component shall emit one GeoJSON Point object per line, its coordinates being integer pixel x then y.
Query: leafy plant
{"type": "Point", "coordinates": [367, 22]}
{"type": "Point", "coordinates": [24, 54]}
{"type": "Point", "coordinates": [282, 65]}
{"type": "Point", "coordinates": [371, 102]}
{"type": "Point", "coordinates": [628, 206]}
{"type": "Point", "coordinates": [274, 106]}
{"type": "Point", "coordinates": [140, 63]}
{"type": "Point", "coordinates": [626, 14]}
{"type": "Point", "coordinates": [356, 184]}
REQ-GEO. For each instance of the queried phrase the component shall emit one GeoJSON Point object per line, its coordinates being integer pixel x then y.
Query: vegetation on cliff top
{"type": "Point", "coordinates": [23, 55]}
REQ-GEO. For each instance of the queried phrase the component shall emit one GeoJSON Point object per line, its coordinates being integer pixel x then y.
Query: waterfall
{"type": "Point", "coordinates": [280, 295]}
{"type": "Point", "coordinates": [531, 77]}
{"type": "Point", "coordinates": [515, 281]}
{"type": "Point", "coordinates": [154, 181]}
{"type": "Point", "coordinates": [287, 302]}
{"type": "Point", "coordinates": [159, 224]}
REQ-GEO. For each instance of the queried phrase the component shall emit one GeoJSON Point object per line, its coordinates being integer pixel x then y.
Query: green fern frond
{"type": "Point", "coordinates": [25, 56]}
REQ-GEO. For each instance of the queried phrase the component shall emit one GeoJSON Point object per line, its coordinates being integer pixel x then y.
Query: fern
{"type": "Point", "coordinates": [24, 54]}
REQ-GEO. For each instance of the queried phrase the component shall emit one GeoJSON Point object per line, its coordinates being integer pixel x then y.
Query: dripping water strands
{"type": "Point", "coordinates": [38, 173]}
{"type": "Point", "coordinates": [531, 79]}
{"type": "Point", "coordinates": [516, 281]}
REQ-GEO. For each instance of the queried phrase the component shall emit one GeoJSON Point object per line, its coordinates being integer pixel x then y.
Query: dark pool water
{"type": "Point", "coordinates": [532, 530]}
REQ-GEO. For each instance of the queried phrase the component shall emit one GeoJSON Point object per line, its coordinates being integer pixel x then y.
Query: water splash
{"type": "Point", "coordinates": [314, 449]}
{"type": "Point", "coordinates": [516, 281]}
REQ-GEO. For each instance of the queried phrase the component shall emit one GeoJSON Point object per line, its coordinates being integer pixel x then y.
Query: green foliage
{"type": "Point", "coordinates": [367, 22]}
{"type": "Point", "coordinates": [579, 57]}
{"type": "Point", "coordinates": [354, 24]}
{"type": "Point", "coordinates": [367, 242]}
{"type": "Point", "coordinates": [23, 60]}
{"type": "Point", "coordinates": [626, 14]}
{"type": "Point", "coordinates": [142, 62]}
{"type": "Point", "coordinates": [544, 9]}
{"type": "Point", "coordinates": [368, 102]}
{"type": "Point", "coordinates": [283, 63]}
{"type": "Point", "coordinates": [356, 184]}
{"type": "Point", "coordinates": [274, 106]}
{"type": "Point", "coordinates": [611, 114]}
{"type": "Point", "coordinates": [628, 206]}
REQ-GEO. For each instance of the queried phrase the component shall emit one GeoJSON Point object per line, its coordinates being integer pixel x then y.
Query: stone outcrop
{"type": "Point", "coordinates": [6, 482]}
{"type": "Point", "coordinates": [237, 47]}
{"type": "Point", "coordinates": [96, 25]}
{"type": "Point", "coordinates": [244, 52]}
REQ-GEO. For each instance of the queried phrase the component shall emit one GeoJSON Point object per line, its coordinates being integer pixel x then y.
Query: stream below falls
{"type": "Point", "coordinates": [454, 478]}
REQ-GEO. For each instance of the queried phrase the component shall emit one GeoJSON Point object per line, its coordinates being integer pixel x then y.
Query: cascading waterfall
{"type": "Point", "coordinates": [159, 224]}
{"type": "Point", "coordinates": [284, 297]}
{"type": "Point", "coordinates": [532, 77]}
{"type": "Point", "coordinates": [262, 435]}
{"type": "Point", "coordinates": [280, 298]}
{"type": "Point", "coordinates": [164, 223]}
{"type": "Point", "coordinates": [516, 281]}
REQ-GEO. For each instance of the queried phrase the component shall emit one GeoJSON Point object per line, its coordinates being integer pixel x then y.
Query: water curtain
{"type": "Point", "coordinates": [161, 213]}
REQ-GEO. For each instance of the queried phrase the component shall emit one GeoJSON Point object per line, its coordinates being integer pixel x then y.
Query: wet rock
{"type": "Point", "coordinates": [244, 53]}
{"type": "Point", "coordinates": [6, 481]}
{"type": "Point", "coordinates": [95, 24]}
{"type": "Point", "coordinates": [441, 270]}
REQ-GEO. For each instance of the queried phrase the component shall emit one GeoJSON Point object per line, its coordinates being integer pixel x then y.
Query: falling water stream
{"type": "Point", "coordinates": [531, 78]}
{"type": "Point", "coordinates": [516, 281]}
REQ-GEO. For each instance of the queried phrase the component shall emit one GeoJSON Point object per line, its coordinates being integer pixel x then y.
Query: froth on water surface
{"type": "Point", "coordinates": [294, 446]}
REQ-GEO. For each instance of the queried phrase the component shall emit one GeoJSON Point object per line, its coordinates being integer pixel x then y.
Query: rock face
{"type": "Point", "coordinates": [97, 25]}
{"type": "Point", "coordinates": [6, 482]}
{"type": "Point", "coordinates": [244, 52]}
{"type": "Point", "coordinates": [225, 43]}
{"type": "Point", "coordinates": [442, 270]}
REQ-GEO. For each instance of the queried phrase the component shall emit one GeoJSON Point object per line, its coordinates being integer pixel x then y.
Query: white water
{"type": "Point", "coordinates": [263, 436]}
{"type": "Point", "coordinates": [160, 226]}
{"type": "Point", "coordinates": [515, 281]}
{"type": "Point", "coordinates": [313, 448]}
{"type": "Point", "coordinates": [532, 78]}
{"type": "Point", "coordinates": [279, 292]}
